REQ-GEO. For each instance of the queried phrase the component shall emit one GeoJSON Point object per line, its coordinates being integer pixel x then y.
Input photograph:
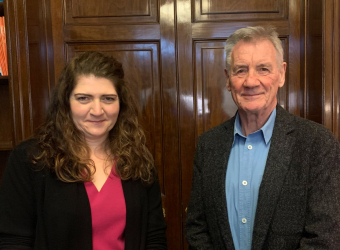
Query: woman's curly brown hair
{"type": "Point", "coordinates": [63, 146]}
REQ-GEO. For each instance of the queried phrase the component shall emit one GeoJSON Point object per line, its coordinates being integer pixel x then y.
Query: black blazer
{"type": "Point", "coordinates": [299, 198]}
{"type": "Point", "coordinates": [37, 211]}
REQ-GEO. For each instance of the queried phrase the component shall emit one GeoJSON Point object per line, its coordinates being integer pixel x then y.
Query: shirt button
{"type": "Point", "coordinates": [250, 147]}
{"type": "Point", "coordinates": [245, 183]}
{"type": "Point", "coordinates": [244, 220]}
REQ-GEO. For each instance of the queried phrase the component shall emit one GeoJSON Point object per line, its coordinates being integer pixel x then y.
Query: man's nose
{"type": "Point", "coordinates": [251, 79]}
{"type": "Point", "coordinates": [96, 108]}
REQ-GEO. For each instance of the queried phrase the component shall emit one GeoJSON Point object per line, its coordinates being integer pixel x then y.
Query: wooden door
{"type": "Point", "coordinates": [204, 102]}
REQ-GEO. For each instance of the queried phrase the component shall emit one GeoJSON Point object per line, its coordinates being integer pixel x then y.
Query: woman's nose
{"type": "Point", "coordinates": [96, 108]}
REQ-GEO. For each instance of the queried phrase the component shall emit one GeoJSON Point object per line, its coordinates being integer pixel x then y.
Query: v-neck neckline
{"type": "Point", "coordinates": [107, 179]}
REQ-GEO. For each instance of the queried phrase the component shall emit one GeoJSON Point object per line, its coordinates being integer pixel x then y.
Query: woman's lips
{"type": "Point", "coordinates": [97, 121]}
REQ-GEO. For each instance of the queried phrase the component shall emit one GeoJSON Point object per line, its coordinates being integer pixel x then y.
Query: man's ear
{"type": "Point", "coordinates": [282, 74]}
{"type": "Point", "coordinates": [227, 79]}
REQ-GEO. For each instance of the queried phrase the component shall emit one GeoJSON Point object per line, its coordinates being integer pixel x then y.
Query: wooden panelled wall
{"type": "Point", "coordinates": [172, 53]}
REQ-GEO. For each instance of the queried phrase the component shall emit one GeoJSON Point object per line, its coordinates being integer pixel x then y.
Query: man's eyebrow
{"type": "Point", "coordinates": [266, 65]}
{"type": "Point", "coordinates": [236, 67]}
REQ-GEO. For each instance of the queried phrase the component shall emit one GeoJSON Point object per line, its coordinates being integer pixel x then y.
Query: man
{"type": "Point", "coordinates": [264, 179]}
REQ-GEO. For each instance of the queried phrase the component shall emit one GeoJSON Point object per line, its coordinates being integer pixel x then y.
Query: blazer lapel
{"type": "Point", "coordinates": [220, 199]}
{"type": "Point", "coordinates": [67, 215]}
{"type": "Point", "coordinates": [133, 195]}
{"type": "Point", "coordinates": [277, 165]}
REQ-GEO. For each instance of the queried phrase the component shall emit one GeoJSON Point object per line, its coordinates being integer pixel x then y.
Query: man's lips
{"type": "Point", "coordinates": [251, 95]}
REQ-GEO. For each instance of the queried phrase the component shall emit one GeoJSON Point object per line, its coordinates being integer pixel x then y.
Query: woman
{"type": "Point", "coordinates": [87, 181]}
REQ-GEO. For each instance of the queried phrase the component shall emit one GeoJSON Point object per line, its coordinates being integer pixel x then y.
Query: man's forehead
{"type": "Point", "coordinates": [245, 50]}
{"type": "Point", "coordinates": [254, 42]}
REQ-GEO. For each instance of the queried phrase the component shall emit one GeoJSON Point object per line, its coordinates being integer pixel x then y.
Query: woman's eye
{"type": "Point", "coordinates": [83, 98]}
{"type": "Point", "coordinates": [109, 99]}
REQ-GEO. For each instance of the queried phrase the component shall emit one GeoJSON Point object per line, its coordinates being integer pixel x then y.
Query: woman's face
{"type": "Point", "coordinates": [94, 106]}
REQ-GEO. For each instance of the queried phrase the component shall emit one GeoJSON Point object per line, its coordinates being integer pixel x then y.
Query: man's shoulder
{"type": "Point", "coordinates": [303, 127]}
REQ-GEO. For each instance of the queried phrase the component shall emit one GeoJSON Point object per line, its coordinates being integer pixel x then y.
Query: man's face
{"type": "Point", "coordinates": [255, 77]}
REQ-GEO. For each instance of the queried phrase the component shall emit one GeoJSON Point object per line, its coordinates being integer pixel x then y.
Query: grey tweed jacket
{"type": "Point", "coordinates": [299, 199]}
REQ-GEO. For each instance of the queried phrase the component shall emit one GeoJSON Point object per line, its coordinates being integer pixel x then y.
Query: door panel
{"type": "Point", "coordinates": [119, 11]}
{"type": "Point", "coordinates": [213, 10]}
{"type": "Point", "coordinates": [214, 103]}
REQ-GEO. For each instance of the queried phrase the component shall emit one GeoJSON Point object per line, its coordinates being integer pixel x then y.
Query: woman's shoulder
{"type": "Point", "coordinates": [31, 142]}
{"type": "Point", "coordinates": [21, 158]}
{"type": "Point", "coordinates": [26, 148]}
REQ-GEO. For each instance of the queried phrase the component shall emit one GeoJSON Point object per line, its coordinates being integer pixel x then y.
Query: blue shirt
{"type": "Point", "coordinates": [246, 165]}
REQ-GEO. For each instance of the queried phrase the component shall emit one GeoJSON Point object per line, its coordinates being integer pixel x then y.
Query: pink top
{"type": "Point", "coordinates": [108, 213]}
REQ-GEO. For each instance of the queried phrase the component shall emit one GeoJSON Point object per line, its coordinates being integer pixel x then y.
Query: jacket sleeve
{"type": "Point", "coordinates": [197, 232]}
{"type": "Point", "coordinates": [17, 203]}
{"type": "Point", "coordinates": [322, 225]}
{"type": "Point", "coordinates": [156, 238]}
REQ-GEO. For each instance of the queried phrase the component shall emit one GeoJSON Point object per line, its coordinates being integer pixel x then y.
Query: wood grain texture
{"type": "Point", "coordinates": [39, 63]}
{"type": "Point", "coordinates": [234, 10]}
{"type": "Point", "coordinates": [118, 11]}
{"type": "Point", "coordinates": [214, 103]}
{"type": "Point", "coordinates": [313, 55]}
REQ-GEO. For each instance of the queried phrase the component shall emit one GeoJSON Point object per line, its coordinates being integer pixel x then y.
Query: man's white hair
{"type": "Point", "coordinates": [251, 34]}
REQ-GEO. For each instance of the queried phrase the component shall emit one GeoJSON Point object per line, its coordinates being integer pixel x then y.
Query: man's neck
{"type": "Point", "coordinates": [252, 122]}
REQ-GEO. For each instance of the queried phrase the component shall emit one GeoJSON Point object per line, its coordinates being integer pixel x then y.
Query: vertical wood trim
{"type": "Point", "coordinates": [18, 61]}
{"type": "Point", "coordinates": [170, 123]}
{"type": "Point", "coordinates": [304, 64]}
{"type": "Point", "coordinates": [57, 20]}
{"type": "Point", "coordinates": [47, 24]}
{"type": "Point", "coordinates": [187, 105]}
{"type": "Point", "coordinates": [336, 68]}
{"type": "Point", "coordinates": [295, 98]}
{"type": "Point", "coordinates": [328, 59]}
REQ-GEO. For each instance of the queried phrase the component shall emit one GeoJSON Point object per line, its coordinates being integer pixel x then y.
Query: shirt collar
{"type": "Point", "coordinates": [267, 129]}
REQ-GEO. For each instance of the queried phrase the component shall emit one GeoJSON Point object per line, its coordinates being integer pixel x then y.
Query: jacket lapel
{"type": "Point", "coordinates": [133, 195]}
{"type": "Point", "coordinates": [67, 215]}
{"type": "Point", "coordinates": [277, 165]}
{"type": "Point", "coordinates": [221, 171]}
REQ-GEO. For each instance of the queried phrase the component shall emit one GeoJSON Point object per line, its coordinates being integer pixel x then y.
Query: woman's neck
{"type": "Point", "coordinates": [96, 146]}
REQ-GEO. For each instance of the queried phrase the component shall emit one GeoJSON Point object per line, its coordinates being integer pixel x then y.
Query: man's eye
{"type": "Point", "coordinates": [263, 71]}
{"type": "Point", "coordinates": [241, 72]}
